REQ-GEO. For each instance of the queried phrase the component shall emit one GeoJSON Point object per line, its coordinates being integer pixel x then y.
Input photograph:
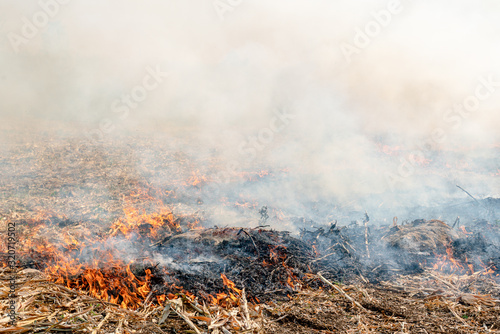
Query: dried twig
{"type": "Point", "coordinates": [366, 220]}
{"type": "Point", "coordinates": [186, 319]}
{"type": "Point", "coordinates": [98, 328]}
{"type": "Point", "coordinates": [342, 292]}
{"type": "Point", "coordinates": [253, 241]}
{"type": "Point", "coordinates": [456, 315]}
{"type": "Point", "coordinates": [465, 191]}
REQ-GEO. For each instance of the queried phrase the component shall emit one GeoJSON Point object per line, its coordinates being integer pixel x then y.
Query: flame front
{"type": "Point", "coordinates": [92, 261]}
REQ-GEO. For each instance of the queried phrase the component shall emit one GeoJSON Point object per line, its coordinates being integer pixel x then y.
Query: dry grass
{"type": "Point", "coordinates": [426, 303]}
{"type": "Point", "coordinates": [88, 182]}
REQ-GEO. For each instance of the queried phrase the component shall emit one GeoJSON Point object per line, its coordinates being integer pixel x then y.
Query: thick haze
{"type": "Point", "coordinates": [372, 125]}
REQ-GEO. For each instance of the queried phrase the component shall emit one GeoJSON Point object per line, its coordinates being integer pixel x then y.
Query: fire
{"type": "Point", "coordinates": [223, 299]}
{"type": "Point", "coordinates": [196, 179]}
{"type": "Point", "coordinates": [462, 228]}
{"type": "Point", "coordinates": [161, 299]}
{"type": "Point", "coordinates": [276, 253]}
{"type": "Point", "coordinates": [108, 279]}
{"type": "Point", "coordinates": [448, 262]}
{"type": "Point", "coordinates": [91, 261]}
{"type": "Point", "coordinates": [230, 284]}
{"type": "Point", "coordinates": [316, 253]}
{"type": "Point", "coordinates": [247, 205]}
{"type": "Point", "coordinates": [292, 280]}
{"type": "Point", "coordinates": [280, 215]}
{"type": "Point", "coordinates": [136, 222]}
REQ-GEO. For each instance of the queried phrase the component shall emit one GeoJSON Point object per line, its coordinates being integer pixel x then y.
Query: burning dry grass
{"type": "Point", "coordinates": [60, 301]}
{"type": "Point", "coordinates": [103, 270]}
{"type": "Point", "coordinates": [427, 303]}
{"type": "Point", "coordinates": [44, 306]}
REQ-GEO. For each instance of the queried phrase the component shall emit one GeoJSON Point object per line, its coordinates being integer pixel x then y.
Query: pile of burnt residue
{"type": "Point", "coordinates": [479, 246]}
{"type": "Point", "coordinates": [272, 264]}
{"type": "Point", "coordinates": [266, 263]}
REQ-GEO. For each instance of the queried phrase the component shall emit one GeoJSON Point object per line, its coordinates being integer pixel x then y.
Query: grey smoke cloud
{"type": "Point", "coordinates": [228, 78]}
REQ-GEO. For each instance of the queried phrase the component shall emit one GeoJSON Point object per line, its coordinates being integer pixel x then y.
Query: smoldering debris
{"type": "Point", "coordinates": [272, 264]}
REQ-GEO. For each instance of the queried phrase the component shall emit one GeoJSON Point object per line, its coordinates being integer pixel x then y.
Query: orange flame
{"type": "Point", "coordinates": [462, 228]}
{"type": "Point", "coordinates": [223, 299]}
{"type": "Point", "coordinates": [88, 261]}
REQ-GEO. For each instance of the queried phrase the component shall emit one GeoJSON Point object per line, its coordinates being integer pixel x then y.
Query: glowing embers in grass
{"type": "Point", "coordinates": [464, 230]}
{"type": "Point", "coordinates": [278, 257]}
{"type": "Point", "coordinates": [277, 253]}
{"type": "Point", "coordinates": [246, 205]}
{"type": "Point", "coordinates": [196, 179]}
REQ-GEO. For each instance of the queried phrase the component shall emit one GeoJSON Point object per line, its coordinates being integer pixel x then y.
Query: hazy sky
{"type": "Point", "coordinates": [368, 84]}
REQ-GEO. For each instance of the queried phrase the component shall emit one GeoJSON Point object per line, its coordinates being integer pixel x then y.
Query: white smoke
{"type": "Point", "coordinates": [234, 65]}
